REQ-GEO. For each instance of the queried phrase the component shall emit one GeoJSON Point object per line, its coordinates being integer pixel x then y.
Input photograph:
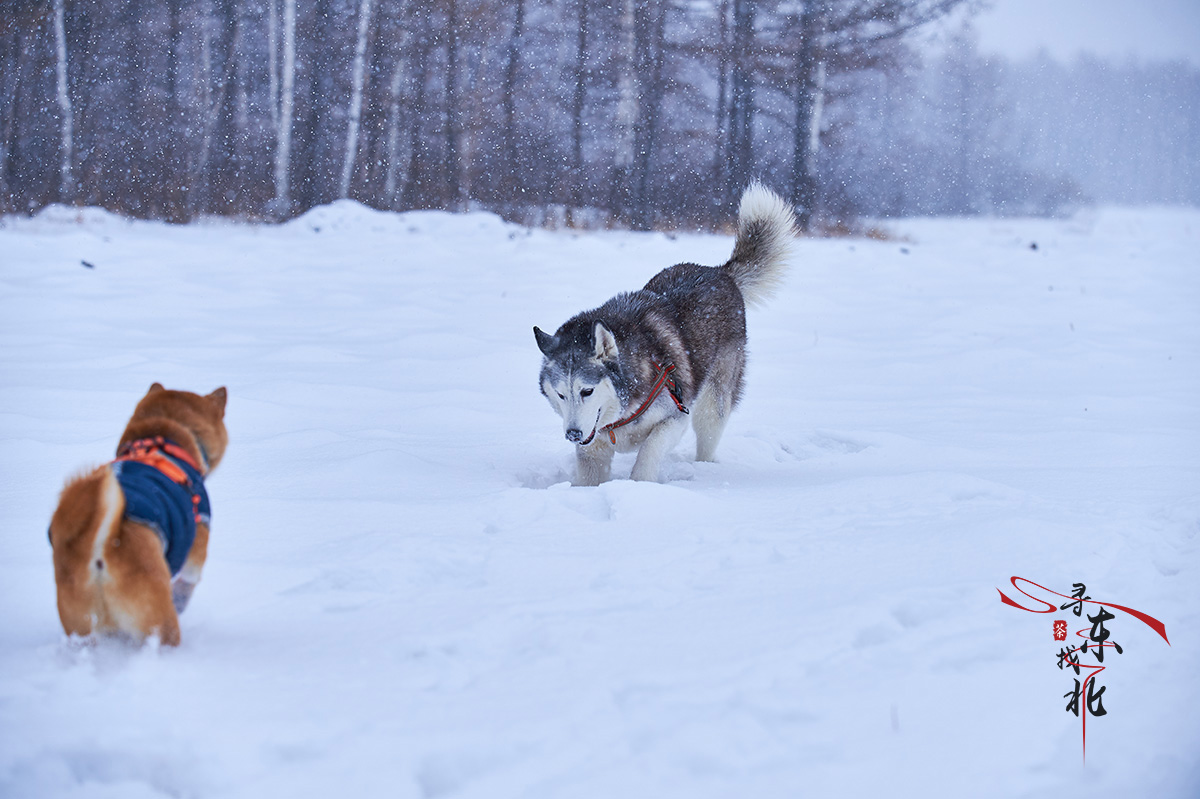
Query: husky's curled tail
{"type": "Point", "coordinates": [765, 230]}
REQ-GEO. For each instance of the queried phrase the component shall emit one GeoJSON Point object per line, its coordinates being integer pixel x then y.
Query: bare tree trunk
{"type": "Point", "coordinates": [814, 134]}
{"type": "Point", "coordinates": [510, 171]}
{"type": "Point", "coordinates": [392, 191]}
{"type": "Point", "coordinates": [220, 169]}
{"type": "Point", "coordinates": [198, 194]}
{"type": "Point", "coordinates": [720, 160]}
{"type": "Point", "coordinates": [175, 147]}
{"type": "Point", "coordinates": [282, 203]}
{"type": "Point", "coordinates": [810, 91]}
{"type": "Point", "coordinates": [317, 139]}
{"type": "Point", "coordinates": [10, 72]}
{"type": "Point", "coordinates": [273, 61]}
{"type": "Point", "coordinates": [580, 97]}
{"type": "Point", "coordinates": [242, 158]}
{"type": "Point", "coordinates": [651, 27]}
{"type": "Point", "coordinates": [420, 177]}
{"type": "Point", "coordinates": [627, 112]}
{"type": "Point", "coordinates": [455, 187]}
{"type": "Point", "coordinates": [741, 111]}
{"type": "Point", "coordinates": [66, 183]}
{"type": "Point", "coordinates": [356, 94]}
{"type": "Point", "coordinates": [137, 183]}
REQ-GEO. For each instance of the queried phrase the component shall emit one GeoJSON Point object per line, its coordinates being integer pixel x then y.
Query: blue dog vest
{"type": "Point", "coordinates": [169, 508]}
{"type": "Point", "coordinates": [164, 491]}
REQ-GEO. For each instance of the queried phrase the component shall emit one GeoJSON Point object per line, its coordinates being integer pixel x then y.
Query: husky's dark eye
{"type": "Point", "coordinates": [561, 396]}
{"type": "Point", "coordinates": [586, 392]}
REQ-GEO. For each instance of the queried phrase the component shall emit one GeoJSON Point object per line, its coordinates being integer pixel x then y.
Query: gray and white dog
{"type": "Point", "coordinates": [624, 376]}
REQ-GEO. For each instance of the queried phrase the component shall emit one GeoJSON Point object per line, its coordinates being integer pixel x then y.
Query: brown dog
{"type": "Point", "coordinates": [130, 537]}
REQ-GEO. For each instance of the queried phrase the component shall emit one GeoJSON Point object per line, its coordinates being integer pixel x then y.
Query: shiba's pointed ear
{"type": "Point", "coordinates": [155, 387]}
{"type": "Point", "coordinates": [544, 340]}
{"type": "Point", "coordinates": [606, 343]}
{"type": "Point", "coordinates": [218, 398]}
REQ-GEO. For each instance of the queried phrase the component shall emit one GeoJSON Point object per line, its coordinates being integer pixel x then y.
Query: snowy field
{"type": "Point", "coordinates": [405, 598]}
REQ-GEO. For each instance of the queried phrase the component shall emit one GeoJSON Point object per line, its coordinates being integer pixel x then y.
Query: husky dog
{"type": "Point", "coordinates": [626, 375]}
{"type": "Point", "coordinates": [131, 537]}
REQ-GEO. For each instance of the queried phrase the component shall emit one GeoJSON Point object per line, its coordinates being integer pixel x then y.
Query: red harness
{"type": "Point", "coordinates": [153, 452]}
{"type": "Point", "coordinates": [663, 381]}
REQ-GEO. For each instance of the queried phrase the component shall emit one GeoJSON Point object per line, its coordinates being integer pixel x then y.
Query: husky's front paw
{"type": "Point", "coordinates": [654, 449]}
{"type": "Point", "coordinates": [593, 465]}
{"type": "Point", "coordinates": [645, 472]}
{"type": "Point", "coordinates": [591, 476]}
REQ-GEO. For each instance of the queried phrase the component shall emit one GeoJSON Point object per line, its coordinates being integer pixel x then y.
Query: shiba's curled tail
{"type": "Point", "coordinates": [89, 511]}
{"type": "Point", "coordinates": [766, 227]}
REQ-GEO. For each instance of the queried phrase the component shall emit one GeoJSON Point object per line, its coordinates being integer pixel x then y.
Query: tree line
{"type": "Point", "coordinates": [643, 112]}
{"type": "Point", "coordinates": [640, 113]}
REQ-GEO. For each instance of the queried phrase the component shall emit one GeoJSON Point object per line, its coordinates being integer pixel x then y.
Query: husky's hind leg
{"type": "Point", "coordinates": [720, 392]}
{"type": "Point", "coordinates": [710, 412]}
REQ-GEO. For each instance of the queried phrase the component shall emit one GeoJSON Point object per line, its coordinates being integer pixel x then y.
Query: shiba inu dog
{"type": "Point", "coordinates": [626, 375]}
{"type": "Point", "coordinates": [130, 537]}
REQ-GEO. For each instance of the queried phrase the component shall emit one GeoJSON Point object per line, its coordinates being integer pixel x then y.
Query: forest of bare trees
{"type": "Point", "coordinates": [602, 111]}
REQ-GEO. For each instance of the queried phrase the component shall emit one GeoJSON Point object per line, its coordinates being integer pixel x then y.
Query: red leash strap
{"type": "Point", "coordinates": [663, 381]}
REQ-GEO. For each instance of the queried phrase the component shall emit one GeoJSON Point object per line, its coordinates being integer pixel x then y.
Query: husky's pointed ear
{"type": "Point", "coordinates": [544, 340]}
{"type": "Point", "coordinates": [155, 387]}
{"type": "Point", "coordinates": [219, 397]}
{"type": "Point", "coordinates": [606, 343]}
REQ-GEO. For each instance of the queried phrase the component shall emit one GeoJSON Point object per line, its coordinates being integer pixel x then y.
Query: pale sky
{"type": "Point", "coordinates": [1149, 29]}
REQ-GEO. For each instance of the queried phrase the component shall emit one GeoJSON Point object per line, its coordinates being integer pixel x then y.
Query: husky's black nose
{"type": "Point", "coordinates": [574, 436]}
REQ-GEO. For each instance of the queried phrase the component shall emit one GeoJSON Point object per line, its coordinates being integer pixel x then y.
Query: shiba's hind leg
{"type": "Point", "coordinates": [185, 582]}
{"type": "Point", "coordinates": [138, 591]}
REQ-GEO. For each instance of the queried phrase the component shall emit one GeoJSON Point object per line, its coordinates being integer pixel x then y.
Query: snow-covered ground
{"type": "Point", "coordinates": [405, 598]}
